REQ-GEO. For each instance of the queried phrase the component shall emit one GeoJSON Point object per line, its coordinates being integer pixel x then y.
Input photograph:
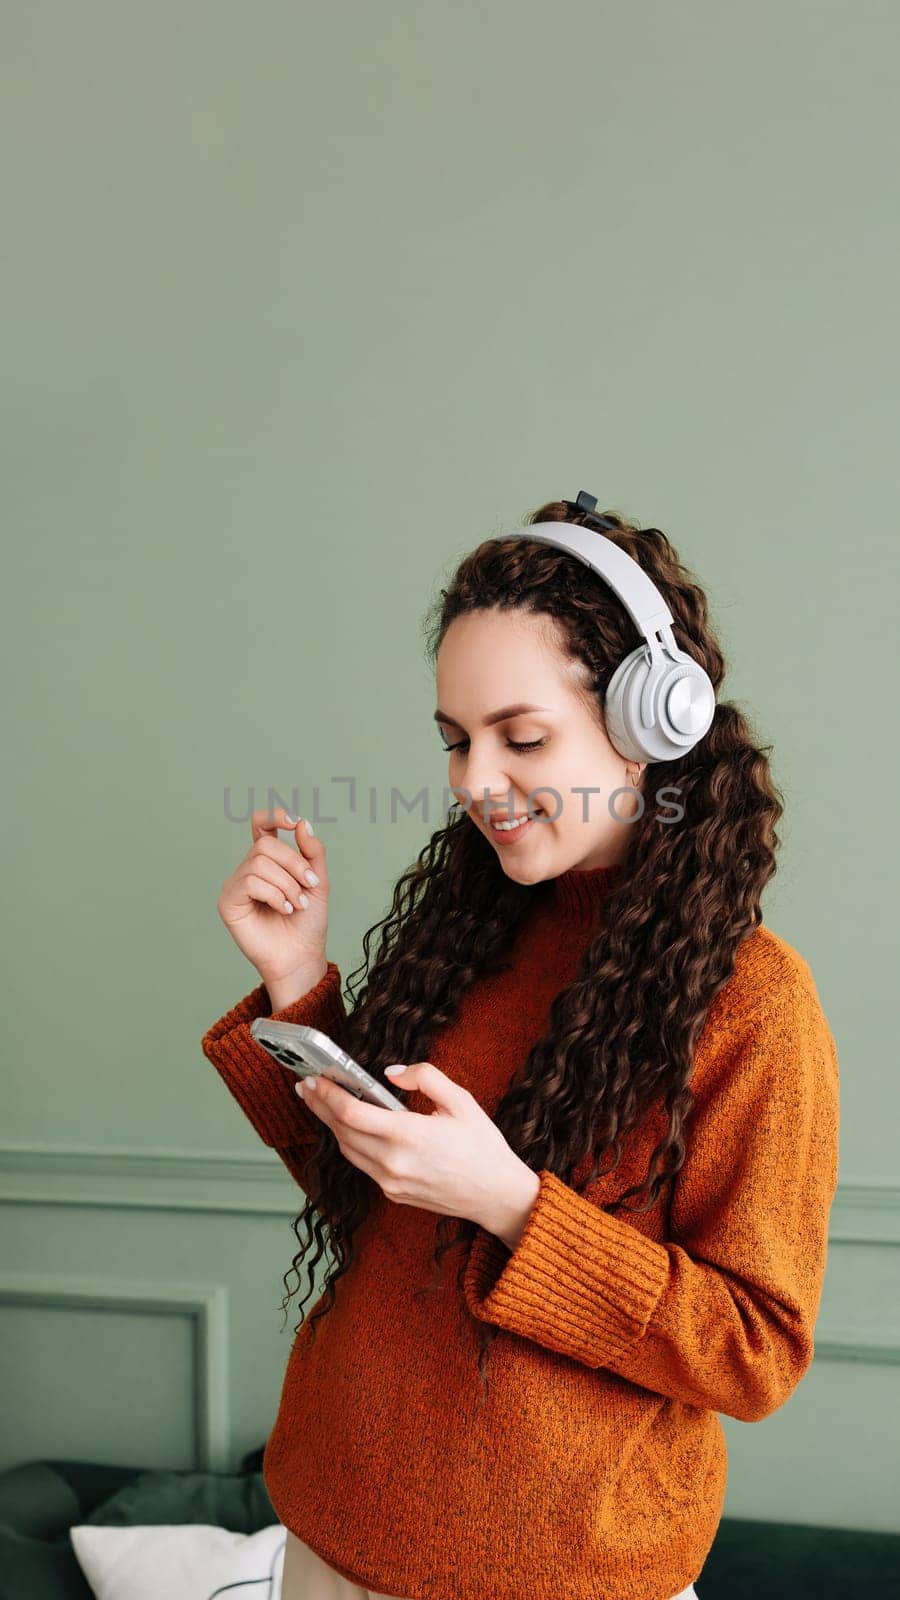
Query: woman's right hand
{"type": "Point", "coordinates": [261, 903]}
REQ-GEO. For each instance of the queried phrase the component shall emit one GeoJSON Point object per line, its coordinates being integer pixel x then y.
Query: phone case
{"type": "Point", "coordinates": [310, 1053]}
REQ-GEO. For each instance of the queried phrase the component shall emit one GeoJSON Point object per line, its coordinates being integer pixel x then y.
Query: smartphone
{"type": "Point", "coordinates": [310, 1054]}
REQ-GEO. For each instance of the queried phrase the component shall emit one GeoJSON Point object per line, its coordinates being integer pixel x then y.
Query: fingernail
{"type": "Point", "coordinates": [308, 826]}
{"type": "Point", "coordinates": [291, 821]}
{"type": "Point", "coordinates": [299, 1087]}
{"type": "Point", "coordinates": [311, 877]}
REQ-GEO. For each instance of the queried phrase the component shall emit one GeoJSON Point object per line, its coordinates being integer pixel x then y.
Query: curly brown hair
{"type": "Point", "coordinates": [623, 1034]}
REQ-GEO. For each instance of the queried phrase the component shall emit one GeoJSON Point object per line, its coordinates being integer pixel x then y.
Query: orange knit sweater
{"type": "Point", "coordinates": [596, 1464]}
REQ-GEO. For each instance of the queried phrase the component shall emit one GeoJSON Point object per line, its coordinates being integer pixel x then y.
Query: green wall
{"type": "Point", "coordinates": [301, 301]}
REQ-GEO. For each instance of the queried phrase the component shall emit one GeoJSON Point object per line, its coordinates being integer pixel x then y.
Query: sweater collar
{"type": "Point", "coordinates": [577, 894]}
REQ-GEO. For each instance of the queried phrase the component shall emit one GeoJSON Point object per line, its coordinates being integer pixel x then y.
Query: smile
{"type": "Point", "coordinates": [509, 830]}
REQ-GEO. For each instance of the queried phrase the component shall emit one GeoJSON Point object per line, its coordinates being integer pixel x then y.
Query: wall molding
{"type": "Point", "coordinates": [849, 1344]}
{"type": "Point", "coordinates": [206, 1306]}
{"type": "Point", "coordinates": [172, 1179]}
{"type": "Point", "coordinates": [865, 1213]}
{"type": "Point", "coordinates": [249, 1184]}
{"type": "Point", "coordinates": [155, 1180]}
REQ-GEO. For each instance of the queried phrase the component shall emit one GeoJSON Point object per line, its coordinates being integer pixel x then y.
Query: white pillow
{"type": "Point", "coordinates": [179, 1561]}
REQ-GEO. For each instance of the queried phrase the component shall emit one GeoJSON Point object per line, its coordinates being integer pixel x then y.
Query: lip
{"type": "Point", "coordinates": [505, 836]}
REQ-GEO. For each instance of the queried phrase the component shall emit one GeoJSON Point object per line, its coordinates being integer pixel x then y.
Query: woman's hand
{"type": "Point", "coordinates": [272, 911]}
{"type": "Point", "coordinates": [454, 1161]}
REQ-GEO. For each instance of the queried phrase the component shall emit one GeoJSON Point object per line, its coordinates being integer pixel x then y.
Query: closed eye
{"type": "Point", "coordinates": [463, 744]}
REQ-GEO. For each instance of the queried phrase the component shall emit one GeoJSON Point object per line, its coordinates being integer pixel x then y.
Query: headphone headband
{"type": "Point", "coordinates": [638, 594]}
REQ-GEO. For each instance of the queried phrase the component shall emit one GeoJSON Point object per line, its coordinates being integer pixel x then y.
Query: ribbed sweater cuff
{"type": "Point", "coordinates": [580, 1281]}
{"type": "Point", "coordinates": [264, 1088]}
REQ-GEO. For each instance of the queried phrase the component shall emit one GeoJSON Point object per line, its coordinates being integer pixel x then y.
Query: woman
{"type": "Point", "coordinates": [626, 1122]}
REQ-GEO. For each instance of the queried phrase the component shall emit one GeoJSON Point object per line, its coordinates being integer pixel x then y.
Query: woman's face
{"type": "Point", "coordinates": [490, 661]}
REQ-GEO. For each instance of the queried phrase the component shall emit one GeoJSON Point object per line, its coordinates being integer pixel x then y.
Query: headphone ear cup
{"type": "Point", "coordinates": [658, 711]}
{"type": "Point", "coordinates": [620, 698]}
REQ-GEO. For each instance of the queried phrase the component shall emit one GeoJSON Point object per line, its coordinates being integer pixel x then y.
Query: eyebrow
{"type": "Point", "coordinates": [493, 716]}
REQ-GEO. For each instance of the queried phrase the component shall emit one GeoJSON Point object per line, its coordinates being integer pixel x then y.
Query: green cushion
{"type": "Point", "coordinates": [226, 1500]}
{"type": "Point", "coordinates": [757, 1560]}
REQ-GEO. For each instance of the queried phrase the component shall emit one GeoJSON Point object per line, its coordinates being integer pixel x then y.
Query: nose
{"type": "Point", "coordinates": [485, 797]}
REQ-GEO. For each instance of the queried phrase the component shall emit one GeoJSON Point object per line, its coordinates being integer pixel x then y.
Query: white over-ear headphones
{"type": "Point", "coordinates": [660, 701]}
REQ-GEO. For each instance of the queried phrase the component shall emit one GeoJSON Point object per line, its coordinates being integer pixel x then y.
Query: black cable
{"type": "Point", "coordinates": [243, 1582]}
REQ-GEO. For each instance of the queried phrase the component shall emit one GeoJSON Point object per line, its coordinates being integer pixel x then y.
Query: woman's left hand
{"type": "Point", "coordinates": [454, 1161]}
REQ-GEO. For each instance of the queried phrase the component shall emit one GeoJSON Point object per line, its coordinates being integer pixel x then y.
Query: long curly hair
{"type": "Point", "coordinates": [622, 1035]}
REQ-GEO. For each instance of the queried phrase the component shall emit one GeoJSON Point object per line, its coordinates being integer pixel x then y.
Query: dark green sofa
{"type": "Point", "coordinates": [40, 1500]}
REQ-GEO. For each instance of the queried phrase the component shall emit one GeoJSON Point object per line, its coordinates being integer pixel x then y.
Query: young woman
{"type": "Point", "coordinates": [625, 1097]}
